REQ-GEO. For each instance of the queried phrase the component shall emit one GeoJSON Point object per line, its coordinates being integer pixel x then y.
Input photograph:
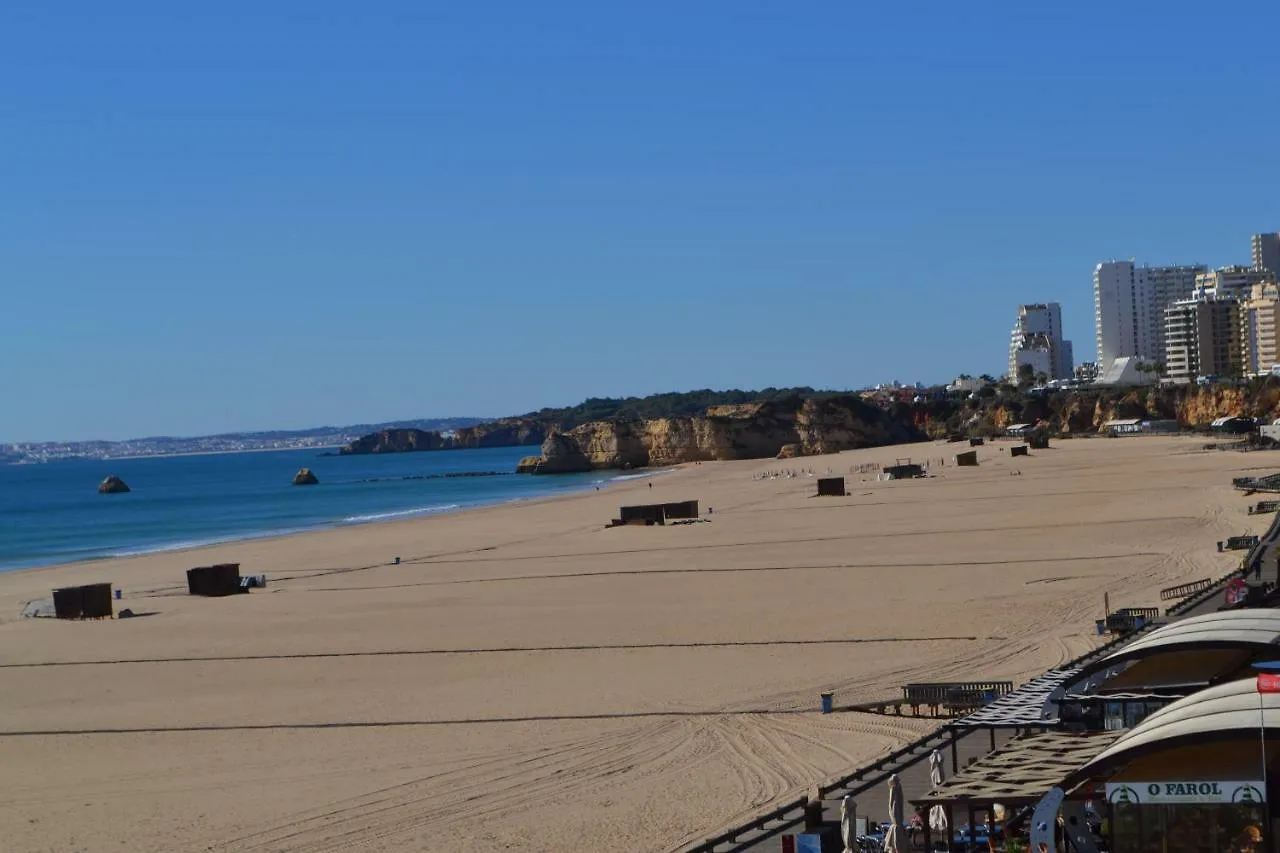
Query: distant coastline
{"type": "Point", "coordinates": [210, 453]}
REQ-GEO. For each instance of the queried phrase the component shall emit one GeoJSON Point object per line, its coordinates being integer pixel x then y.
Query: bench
{"type": "Point", "coordinates": [1264, 507]}
{"type": "Point", "coordinates": [1240, 543]}
{"type": "Point", "coordinates": [953, 697]}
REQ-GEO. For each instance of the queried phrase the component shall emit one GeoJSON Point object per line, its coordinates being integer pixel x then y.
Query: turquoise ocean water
{"type": "Point", "coordinates": [52, 513]}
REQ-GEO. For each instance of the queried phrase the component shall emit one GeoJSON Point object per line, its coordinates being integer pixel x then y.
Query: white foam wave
{"type": "Point", "coordinates": [641, 476]}
{"type": "Point", "coordinates": [401, 513]}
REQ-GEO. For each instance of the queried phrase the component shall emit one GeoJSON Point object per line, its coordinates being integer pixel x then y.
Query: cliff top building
{"type": "Point", "coordinates": [1204, 338]}
{"type": "Point", "coordinates": [1129, 303]}
{"type": "Point", "coordinates": [1036, 340]}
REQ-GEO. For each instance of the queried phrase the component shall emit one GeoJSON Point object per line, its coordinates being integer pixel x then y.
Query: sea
{"type": "Point", "coordinates": [52, 513]}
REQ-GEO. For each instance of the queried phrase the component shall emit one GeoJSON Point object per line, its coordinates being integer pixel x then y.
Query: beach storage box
{"type": "Point", "coordinates": [1020, 450]}
{"type": "Point", "coordinates": [222, 579]}
{"type": "Point", "coordinates": [976, 442]}
{"type": "Point", "coordinates": [642, 514]}
{"type": "Point", "coordinates": [680, 509]}
{"type": "Point", "coordinates": [831, 487]}
{"type": "Point", "coordinates": [92, 601]}
{"type": "Point", "coordinates": [969, 458]}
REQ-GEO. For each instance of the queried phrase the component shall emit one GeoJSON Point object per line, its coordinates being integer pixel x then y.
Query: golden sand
{"type": "Point", "coordinates": [527, 679]}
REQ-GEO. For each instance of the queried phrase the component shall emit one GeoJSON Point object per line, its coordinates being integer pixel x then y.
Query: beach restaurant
{"type": "Point", "coordinates": [1169, 743]}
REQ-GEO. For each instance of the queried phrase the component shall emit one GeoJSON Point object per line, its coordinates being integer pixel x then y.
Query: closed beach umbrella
{"type": "Point", "coordinates": [848, 818]}
{"type": "Point", "coordinates": [893, 838]}
{"type": "Point", "coordinates": [937, 814]}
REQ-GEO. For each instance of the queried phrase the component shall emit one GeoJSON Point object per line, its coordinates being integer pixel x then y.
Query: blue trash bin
{"type": "Point", "coordinates": [826, 702]}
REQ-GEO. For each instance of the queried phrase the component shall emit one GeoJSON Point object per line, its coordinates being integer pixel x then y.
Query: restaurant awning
{"type": "Point", "coordinates": [1022, 771]}
{"type": "Point", "coordinates": [1027, 705]}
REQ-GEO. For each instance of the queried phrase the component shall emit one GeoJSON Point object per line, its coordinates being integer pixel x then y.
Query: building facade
{"type": "Point", "coordinates": [1266, 253]}
{"type": "Point", "coordinates": [1129, 303]}
{"type": "Point", "coordinates": [1036, 340]}
{"type": "Point", "coordinates": [1203, 338]}
{"type": "Point", "coordinates": [1231, 281]}
{"type": "Point", "coordinates": [1259, 321]}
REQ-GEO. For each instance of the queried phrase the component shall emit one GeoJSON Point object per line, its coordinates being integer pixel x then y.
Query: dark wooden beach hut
{"type": "Point", "coordinates": [213, 581]}
{"type": "Point", "coordinates": [680, 509]}
{"type": "Point", "coordinates": [904, 471]}
{"type": "Point", "coordinates": [642, 514]}
{"type": "Point", "coordinates": [1038, 441]}
{"type": "Point", "coordinates": [967, 459]}
{"type": "Point", "coordinates": [1020, 450]}
{"type": "Point", "coordinates": [977, 442]}
{"type": "Point", "coordinates": [831, 487]}
{"type": "Point", "coordinates": [92, 601]}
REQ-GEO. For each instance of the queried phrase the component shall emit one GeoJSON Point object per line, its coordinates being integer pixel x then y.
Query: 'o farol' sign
{"type": "Point", "coordinates": [1172, 793]}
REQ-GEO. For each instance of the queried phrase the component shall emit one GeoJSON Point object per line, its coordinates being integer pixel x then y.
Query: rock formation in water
{"type": "Point", "coordinates": [561, 454]}
{"type": "Point", "coordinates": [113, 485]}
{"type": "Point", "coordinates": [305, 477]}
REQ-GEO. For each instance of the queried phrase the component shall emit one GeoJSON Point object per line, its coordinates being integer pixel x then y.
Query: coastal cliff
{"type": "Point", "coordinates": [508, 432]}
{"type": "Point", "coordinates": [749, 431]}
{"type": "Point", "coordinates": [796, 425]}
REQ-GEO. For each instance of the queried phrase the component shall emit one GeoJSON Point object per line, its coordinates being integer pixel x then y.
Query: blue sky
{"type": "Point", "coordinates": [286, 214]}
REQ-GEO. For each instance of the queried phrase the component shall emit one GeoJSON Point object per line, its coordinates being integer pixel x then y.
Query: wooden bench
{"type": "Point", "coordinates": [1240, 543]}
{"type": "Point", "coordinates": [953, 697]}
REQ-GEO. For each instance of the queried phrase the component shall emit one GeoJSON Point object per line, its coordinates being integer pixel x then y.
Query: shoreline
{"type": "Point", "coordinates": [393, 518]}
{"type": "Point", "coordinates": [571, 680]}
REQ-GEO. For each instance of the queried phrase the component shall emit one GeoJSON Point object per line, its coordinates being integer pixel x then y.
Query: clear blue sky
{"type": "Point", "coordinates": [290, 214]}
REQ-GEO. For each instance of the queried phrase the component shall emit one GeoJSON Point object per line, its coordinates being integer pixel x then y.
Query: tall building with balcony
{"type": "Point", "coordinates": [1203, 338]}
{"type": "Point", "coordinates": [1232, 281]}
{"type": "Point", "coordinates": [1259, 324]}
{"type": "Point", "coordinates": [1036, 340]}
{"type": "Point", "coordinates": [1128, 308]}
{"type": "Point", "coordinates": [1266, 253]}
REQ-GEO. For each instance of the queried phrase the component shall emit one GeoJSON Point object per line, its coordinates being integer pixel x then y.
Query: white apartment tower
{"type": "Point", "coordinates": [1036, 340]}
{"type": "Point", "coordinates": [1128, 308]}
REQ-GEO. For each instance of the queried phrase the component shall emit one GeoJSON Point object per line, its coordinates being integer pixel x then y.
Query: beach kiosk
{"type": "Point", "coordinates": [1198, 775]}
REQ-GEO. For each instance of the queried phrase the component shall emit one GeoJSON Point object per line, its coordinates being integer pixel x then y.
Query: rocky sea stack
{"type": "Point", "coordinates": [305, 477]}
{"type": "Point", "coordinates": [113, 485]}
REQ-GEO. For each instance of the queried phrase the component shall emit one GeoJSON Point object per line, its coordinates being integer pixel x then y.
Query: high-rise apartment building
{"type": "Point", "coordinates": [1231, 281]}
{"type": "Point", "coordinates": [1036, 340]}
{"type": "Point", "coordinates": [1266, 253]}
{"type": "Point", "coordinates": [1128, 308]}
{"type": "Point", "coordinates": [1259, 324]}
{"type": "Point", "coordinates": [1202, 338]}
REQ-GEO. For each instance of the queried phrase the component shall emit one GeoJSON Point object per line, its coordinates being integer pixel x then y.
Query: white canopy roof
{"type": "Point", "coordinates": [1256, 628]}
{"type": "Point", "coordinates": [1230, 707]}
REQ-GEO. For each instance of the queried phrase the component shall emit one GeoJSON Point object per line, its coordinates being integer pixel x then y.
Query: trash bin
{"type": "Point", "coordinates": [117, 595]}
{"type": "Point", "coordinates": [1102, 626]}
{"type": "Point", "coordinates": [826, 702]}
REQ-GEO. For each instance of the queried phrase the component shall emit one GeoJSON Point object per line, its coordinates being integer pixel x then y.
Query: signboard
{"type": "Point", "coordinates": [1173, 793]}
{"type": "Point", "coordinates": [1236, 591]}
{"type": "Point", "coordinates": [1269, 682]}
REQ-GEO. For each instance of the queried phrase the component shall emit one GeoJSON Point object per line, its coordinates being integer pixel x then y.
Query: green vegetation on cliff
{"type": "Point", "coordinates": [672, 404]}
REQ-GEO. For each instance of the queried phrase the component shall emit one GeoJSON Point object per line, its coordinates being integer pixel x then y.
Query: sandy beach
{"type": "Point", "coordinates": [526, 679]}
